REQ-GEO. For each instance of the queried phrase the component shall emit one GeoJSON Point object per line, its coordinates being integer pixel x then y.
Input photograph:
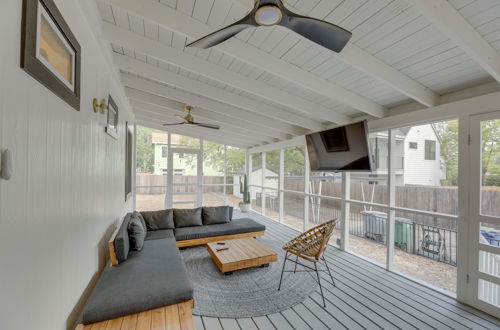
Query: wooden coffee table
{"type": "Point", "coordinates": [240, 254]}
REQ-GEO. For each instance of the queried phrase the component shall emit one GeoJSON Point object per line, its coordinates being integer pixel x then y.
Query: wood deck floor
{"type": "Point", "coordinates": [366, 297]}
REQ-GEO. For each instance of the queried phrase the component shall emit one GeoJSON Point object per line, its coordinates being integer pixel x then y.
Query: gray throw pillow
{"type": "Point", "coordinates": [122, 241]}
{"type": "Point", "coordinates": [136, 233]}
{"type": "Point", "coordinates": [157, 220]}
{"type": "Point", "coordinates": [216, 215]}
{"type": "Point", "coordinates": [141, 218]}
{"type": "Point", "coordinates": [187, 218]}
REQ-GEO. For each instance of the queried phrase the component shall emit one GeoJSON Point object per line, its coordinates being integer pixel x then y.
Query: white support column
{"type": "Point", "coordinates": [391, 182]}
{"type": "Point", "coordinates": [134, 168]}
{"type": "Point", "coordinates": [225, 175]}
{"type": "Point", "coordinates": [307, 172]}
{"type": "Point", "coordinates": [263, 191]}
{"type": "Point", "coordinates": [199, 197]}
{"type": "Point", "coordinates": [248, 170]}
{"type": "Point", "coordinates": [346, 210]}
{"type": "Point", "coordinates": [170, 176]}
{"type": "Point", "coordinates": [465, 292]}
{"type": "Point", "coordinates": [282, 185]}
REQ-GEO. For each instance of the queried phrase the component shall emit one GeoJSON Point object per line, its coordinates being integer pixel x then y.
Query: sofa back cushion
{"type": "Point", "coordinates": [122, 242]}
{"type": "Point", "coordinates": [137, 233]}
{"type": "Point", "coordinates": [158, 220]}
{"type": "Point", "coordinates": [216, 215]}
{"type": "Point", "coordinates": [187, 218]}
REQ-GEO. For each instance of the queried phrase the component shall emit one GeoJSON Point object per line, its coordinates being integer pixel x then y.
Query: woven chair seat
{"type": "Point", "coordinates": [312, 243]}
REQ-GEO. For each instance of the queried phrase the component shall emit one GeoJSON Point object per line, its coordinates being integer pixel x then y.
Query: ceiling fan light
{"type": "Point", "coordinates": [268, 15]}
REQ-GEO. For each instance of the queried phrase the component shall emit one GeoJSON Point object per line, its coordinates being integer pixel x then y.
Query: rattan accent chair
{"type": "Point", "coordinates": [310, 246]}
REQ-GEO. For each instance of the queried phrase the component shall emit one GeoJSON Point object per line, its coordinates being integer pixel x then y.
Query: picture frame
{"type": "Point", "coordinates": [112, 119]}
{"type": "Point", "coordinates": [129, 159]}
{"type": "Point", "coordinates": [50, 52]}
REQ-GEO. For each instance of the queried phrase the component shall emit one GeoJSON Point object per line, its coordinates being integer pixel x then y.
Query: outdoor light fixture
{"type": "Point", "coordinates": [99, 107]}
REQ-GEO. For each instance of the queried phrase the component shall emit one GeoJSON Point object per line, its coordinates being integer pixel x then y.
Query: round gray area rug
{"type": "Point", "coordinates": [245, 293]}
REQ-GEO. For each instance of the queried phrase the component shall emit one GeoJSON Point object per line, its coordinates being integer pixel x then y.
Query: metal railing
{"type": "Point", "coordinates": [433, 242]}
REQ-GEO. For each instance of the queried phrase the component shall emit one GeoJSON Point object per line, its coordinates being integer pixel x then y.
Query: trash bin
{"type": "Point", "coordinates": [374, 224]}
{"type": "Point", "coordinates": [403, 233]}
{"type": "Point", "coordinates": [374, 227]}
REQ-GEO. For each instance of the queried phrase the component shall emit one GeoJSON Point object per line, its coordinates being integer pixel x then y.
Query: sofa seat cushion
{"type": "Point", "coordinates": [149, 279]}
{"type": "Point", "coordinates": [159, 234]}
{"type": "Point", "coordinates": [236, 226]}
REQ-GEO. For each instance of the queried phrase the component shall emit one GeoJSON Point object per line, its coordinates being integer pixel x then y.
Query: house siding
{"type": "Point", "coordinates": [418, 170]}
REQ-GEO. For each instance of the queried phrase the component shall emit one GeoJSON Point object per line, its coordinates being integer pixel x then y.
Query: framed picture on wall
{"type": "Point", "coordinates": [129, 160]}
{"type": "Point", "coordinates": [50, 52]}
{"type": "Point", "coordinates": [112, 118]}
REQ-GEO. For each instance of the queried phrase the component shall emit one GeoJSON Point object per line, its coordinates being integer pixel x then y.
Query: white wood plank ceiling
{"type": "Point", "coordinates": [269, 84]}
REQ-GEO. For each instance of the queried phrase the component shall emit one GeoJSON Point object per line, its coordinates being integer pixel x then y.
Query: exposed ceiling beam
{"type": "Point", "coordinates": [369, 64]}
{"type": "Point", "coordinates": [197, 65]}
{"type": "Point", "coordinates": [223, 133]}
{"type": "Point", "coordinates": [155, 73]}
{"type": "Point", "coordinates": [453, 110]}
{"type": "Point", "coordinates": [245, 117]}
{"type": "Point", "coordinates": [151, 123]}
{"type": "Point", "coordinates": [193, 29]}
{"type": "Point", "coordinates": [164, 91]}
{"type": "Point", "coordinates": [377, 69]}
{"type": "Point", "coordinates": [446, 18]}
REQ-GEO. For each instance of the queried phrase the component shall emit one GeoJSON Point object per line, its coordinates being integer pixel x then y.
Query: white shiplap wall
{"type": "Point", "coordinates": [68, 186]}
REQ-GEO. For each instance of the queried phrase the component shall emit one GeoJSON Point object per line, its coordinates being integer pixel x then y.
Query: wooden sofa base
{"type": "Point", "coordinates": [178, 316]}
{"type": "Point", "coordinates": [206, 240]}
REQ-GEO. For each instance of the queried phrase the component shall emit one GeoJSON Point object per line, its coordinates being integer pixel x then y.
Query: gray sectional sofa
{"type": "Point", "coordinates": [154, 275]}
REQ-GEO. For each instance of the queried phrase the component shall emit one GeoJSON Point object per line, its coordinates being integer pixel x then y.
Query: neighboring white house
{"type": "Point", "coordinates": [422, 160]}
{"type": "Point", "coordinates": [417, 155]}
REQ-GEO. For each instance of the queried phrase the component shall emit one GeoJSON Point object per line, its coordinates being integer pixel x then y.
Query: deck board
{"type": "Point", "coordinates": [366, 296]}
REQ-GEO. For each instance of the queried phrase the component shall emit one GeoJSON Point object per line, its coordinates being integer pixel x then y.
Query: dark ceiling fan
{"type": "Point", "coordinates": [189, 120]}
{"type": "Point", "coordinates": [273, 12]}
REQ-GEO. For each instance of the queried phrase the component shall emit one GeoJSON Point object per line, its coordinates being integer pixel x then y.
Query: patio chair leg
{"type": "Point", "coordinates": [282, 270]}
{"type": "Point", "coordinates": [296, 262]}
{"type": "Point", "coordinates": [329, 272]}
{"type": "Point", "coordinates": [319, 282]}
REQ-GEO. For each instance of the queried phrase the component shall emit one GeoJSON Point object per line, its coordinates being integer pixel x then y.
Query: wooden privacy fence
{"type": "Point", "coordinates": [154, 184]}
{"type": "Point", "coordinates": [426, 198]}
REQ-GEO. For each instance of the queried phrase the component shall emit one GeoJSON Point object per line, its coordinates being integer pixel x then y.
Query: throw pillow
{"type": "Point", "coordinates": [141, 218]}
{"type": "Point", "coordinates": [157, 220]}
{"type": "Point", "coordinates": [215, 215]}
{"type": "Point", "coordinates": [187, 218]}
{"type": "Point", "coordinates": [136, 233]}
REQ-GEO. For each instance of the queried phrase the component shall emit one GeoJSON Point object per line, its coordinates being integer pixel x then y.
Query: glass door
{"type": "Point", "coordinates": [484, 222]}
{"type": "Point", "coordinates": [185, 184]}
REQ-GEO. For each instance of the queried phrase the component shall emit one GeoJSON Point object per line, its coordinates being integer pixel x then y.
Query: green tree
{"type": "Point", "coordinates": [490, 151]}
{"type": "Point", "coordinates": [448, 133]}
{"type": "Point", "coordinates": [145, 149]}
{"type": "Point", "coordinates": [490, 146]}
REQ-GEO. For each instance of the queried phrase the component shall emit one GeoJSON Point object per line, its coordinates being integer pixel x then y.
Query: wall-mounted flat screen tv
{"type": "Point", "coordinates": [341, 149]}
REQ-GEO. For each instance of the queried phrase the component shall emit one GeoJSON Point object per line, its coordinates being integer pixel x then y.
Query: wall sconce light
{"type": "Point", "coordinates": [99, 107]}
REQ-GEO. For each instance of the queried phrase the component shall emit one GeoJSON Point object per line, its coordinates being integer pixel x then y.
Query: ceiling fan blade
{"type": "Point", "coordinates": [184, 123]}
{"type": "Point", "coordinates": [224, 34]}
{"type": "Point", "coordinates": [323, 33]}
{"type": "Point", "coordinates": [207, 125]}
